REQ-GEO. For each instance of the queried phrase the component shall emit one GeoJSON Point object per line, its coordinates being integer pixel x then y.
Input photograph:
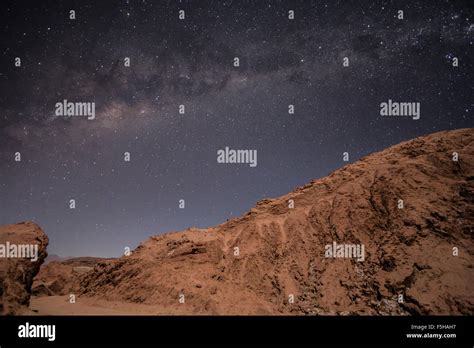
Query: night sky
{"type": "Point", "coordinates": [190, 62]}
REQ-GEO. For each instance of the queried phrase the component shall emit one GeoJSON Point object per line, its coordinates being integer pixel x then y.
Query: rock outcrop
{"type": "Point", "coordinates": [20, 261]}
{"type": "Point", "coordinates": [410, 206]}
{"type": "Point", "coordinates": [62, 277]}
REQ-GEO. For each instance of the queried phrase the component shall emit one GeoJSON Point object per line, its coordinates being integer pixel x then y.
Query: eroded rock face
{"type": "Point", "coordinates": [22, 251]}
{"type": "Point", "coordinates": [410, 206]}
{"type": "Point", "coordinates": [62, 277]}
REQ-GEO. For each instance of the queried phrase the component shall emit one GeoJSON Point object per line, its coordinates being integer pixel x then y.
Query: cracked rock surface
{"type": "Point", "coordinates": [409, 251]}
{"type": "Point", "coordinates": [16, 273]}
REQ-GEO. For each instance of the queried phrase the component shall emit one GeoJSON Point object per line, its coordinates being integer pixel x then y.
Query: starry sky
{"type": "Point", "coordinates": [190, 62]}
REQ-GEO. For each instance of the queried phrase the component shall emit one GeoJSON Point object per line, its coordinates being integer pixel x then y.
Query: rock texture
{"type": "Point", "coordinates": [16, 274]}
{"type": "Point", "coordinates": [281, 251]}
{"type": "Point", "coordinates": [62, 277]}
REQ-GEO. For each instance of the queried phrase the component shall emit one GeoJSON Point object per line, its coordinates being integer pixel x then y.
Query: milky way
{"type": "Point", "coordinates": [190, 62]}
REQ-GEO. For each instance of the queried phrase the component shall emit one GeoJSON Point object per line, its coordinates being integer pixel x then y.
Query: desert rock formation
{"type": "Point", "coordinates": [16, 273]}
{"type": "Point", "coordinates": [411, 206]}
{"type": "Point", "coordinates": [62, 277]}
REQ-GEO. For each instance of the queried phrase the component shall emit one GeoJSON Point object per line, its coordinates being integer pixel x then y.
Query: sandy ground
{"type": "Point", "coordinates": [59, 305]}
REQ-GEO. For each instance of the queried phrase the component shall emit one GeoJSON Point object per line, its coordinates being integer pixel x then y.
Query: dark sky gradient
{"type": "Point", "coordinates": [190, 62]}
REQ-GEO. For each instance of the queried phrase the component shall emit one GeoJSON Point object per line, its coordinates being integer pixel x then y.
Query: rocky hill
{"type": "Point", "coordinates": [20, 261]}
{"type": "Point", "coordinates": [409, 208]}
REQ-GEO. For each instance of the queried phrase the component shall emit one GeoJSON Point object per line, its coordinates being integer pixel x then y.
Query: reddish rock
{"type": "Point", "coordinates": [16, 274]}
{"type": "Point", "coordinates": [281, 251]}
{"type": "Point", "coordinates": [62, 277]}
